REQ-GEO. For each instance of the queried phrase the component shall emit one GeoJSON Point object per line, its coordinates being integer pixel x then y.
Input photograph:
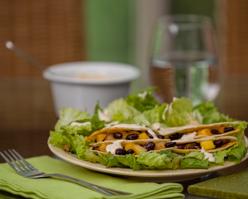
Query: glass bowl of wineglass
{"type": "Point", "coordinates": [184, 59]}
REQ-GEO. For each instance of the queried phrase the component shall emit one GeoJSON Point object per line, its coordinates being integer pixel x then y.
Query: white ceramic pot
{"type": "Point", "coordinates": [81, 85]}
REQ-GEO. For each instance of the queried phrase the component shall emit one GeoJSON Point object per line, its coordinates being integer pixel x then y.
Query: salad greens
{"type": "Point", "coordinates": [143, 109]}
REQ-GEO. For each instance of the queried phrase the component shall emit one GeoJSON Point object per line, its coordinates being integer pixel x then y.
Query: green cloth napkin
{"type": "Point", "coordinates": [58, 189]}
{"type": "Point", "coordinates": [224, 187]}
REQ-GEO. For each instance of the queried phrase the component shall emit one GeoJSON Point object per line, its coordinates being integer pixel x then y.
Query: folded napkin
{"type": "Point", "coordinates": [223, 187]}
{"type": "Point", "coordinates": [58, 189]}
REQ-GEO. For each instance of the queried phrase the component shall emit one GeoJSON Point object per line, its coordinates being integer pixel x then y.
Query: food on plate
{"type": "Point", "coordinates": [138, 132]}
{"type": "Point", "coordinates": [124, 139]}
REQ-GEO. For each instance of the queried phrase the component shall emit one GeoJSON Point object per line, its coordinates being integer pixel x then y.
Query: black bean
{"type": "Point", "coordinates": [117, 135]}
{"type": "Point", "coordinates": [170, 144]}
{"type": "Point", "coordinates": [218, 143]}
{"type": "Point", "coordinates": [190, 146]}
{"type": "Point", "coordinates": [132, 136]}
{"type": "Point", "coordinates": [130, 151]}
{"type": "Point", "coordinates": [95, 147]}
{"type": "Point", "coordinates": [181, 146]}
{"type": "Point", "coordinates": [214, 131]}
{"type": "Point", "coordinates": [175, 136]}
{"type": "Point", "coordinates": [160, 136]}
{"type": "Point", "coordinates": [197, 146]}
{"type": "Point", "coordinates": [230, 128]}
{"type": "Point", "coordinates": [120, 151]}
{"type": "Point", "coordinates": [225, 141]}
{"type": "Point", "coordinates": [149, 146]}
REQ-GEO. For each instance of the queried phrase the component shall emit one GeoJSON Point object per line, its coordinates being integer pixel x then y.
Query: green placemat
{"type": "Point", "coordinates": [57, 189]}
{"type": "Point", "coordinates": [233, 186]}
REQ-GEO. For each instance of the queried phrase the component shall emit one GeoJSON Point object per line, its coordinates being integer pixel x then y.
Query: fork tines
{"type": "Point", "coordinates": [16, 161]}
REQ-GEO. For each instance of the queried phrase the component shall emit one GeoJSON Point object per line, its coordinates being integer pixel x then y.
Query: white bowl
{"type": "Point", "coordinates": [81, 85]}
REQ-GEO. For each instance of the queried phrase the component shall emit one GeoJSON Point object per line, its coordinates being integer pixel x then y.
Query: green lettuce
{"type": "Point", "coordinates": [129, 161]}
{"type": "Point", "coordinates": [143, 109]}
{"type": "Point", "coordinates": [89, 155]}
{"type": "Point", "coordinates": [142, 101]}
{"type": "Point", "coordinates": [84, 129]}
{"type": "Point", "coordinates": [59, 139]}
{"type": "Point", "coordinates": [68, 115]}
{"type": "Point", "coordinates": [155, 115]}
{"type": "Point", "coordinates": [179, 112]}
{"type": "Point", "coordinates": [120, 110]}
{"type": "Point", "coordinates": [207, 113]}
{"type": "Point", "coordinates": [96, 122]}
{"type": "Point", "coordinates": [238, 152]}
{"type": "Point", "coordinates": [75, 143]}
{"type": "Point", "coordinates": [109, 160]}
{"type": "Point", "coordinates": [154, 160]}
{"type": "Point", "coordinates": [220, 157]}
{"type": "Point", "coordinates": [194, 160]}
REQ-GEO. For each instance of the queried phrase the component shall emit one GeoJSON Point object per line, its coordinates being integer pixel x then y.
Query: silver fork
{"type": "Point", "coordinates": [25, 169]}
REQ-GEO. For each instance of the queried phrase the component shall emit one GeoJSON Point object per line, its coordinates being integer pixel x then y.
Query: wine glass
{"type": "Point", "coordinates": [183, 58]}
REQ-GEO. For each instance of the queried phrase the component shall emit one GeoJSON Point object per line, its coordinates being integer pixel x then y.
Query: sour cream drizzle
{"type": "Point", "coordinates": [209, 156]}
{"type": "Point", "coordinates": [111, 148]}
{"type": "Point", "coordinates": [189, 136]}
{"type": "Point", "coordinates": [80, 124]}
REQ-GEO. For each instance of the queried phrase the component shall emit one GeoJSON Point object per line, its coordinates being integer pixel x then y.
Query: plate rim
{"type": "Point", "coordinates": [169, 173]}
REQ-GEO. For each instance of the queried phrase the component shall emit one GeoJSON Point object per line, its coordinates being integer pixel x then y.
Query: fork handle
{"type": "Point", "coordinates": [100, 189]}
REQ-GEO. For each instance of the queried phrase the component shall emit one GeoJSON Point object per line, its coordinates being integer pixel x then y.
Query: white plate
{"type": "Point", "coordinates": [155, 175]}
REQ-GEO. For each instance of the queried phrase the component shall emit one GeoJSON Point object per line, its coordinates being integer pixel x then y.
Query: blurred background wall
{"type": "Point", "coordinates": [108, 30]}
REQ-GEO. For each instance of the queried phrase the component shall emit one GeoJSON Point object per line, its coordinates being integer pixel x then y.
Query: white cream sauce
{"type": "Point", "coordinates": [142, 95]}
{"type": "Point", "coordinates": [103, 116]}
{"type": "Point", "coordinates": [209, 156]}
{"type": "Point", "coordinates": [111, 148]}
{"type": "Point", "coordinates": [80, 124]}
{"type": "Point", "coordinates": [188, 137]}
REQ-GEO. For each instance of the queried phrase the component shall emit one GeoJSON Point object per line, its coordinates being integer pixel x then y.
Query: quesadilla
{"type": "Point", "coordinates": [125, 139]}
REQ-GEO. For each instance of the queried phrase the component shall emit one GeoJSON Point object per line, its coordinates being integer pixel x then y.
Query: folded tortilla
{"type": "Point", "coordinates": [192, 138]}
{"type": "Point", "coordinates": [125, 129]}
{"type": "Point", "coordinates": [196, 127]}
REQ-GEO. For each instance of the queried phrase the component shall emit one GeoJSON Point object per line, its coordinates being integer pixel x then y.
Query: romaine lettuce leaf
{"type": "Point", "coordinates": [109, 160]}
{"type": "Point", "coordinates": [179, 112]}
{"type": "Point", "coordinates": [238, 152]}
{"type": "Point", "coordinates": [96, 122]}
{"type": "Point", "coordinates": [59, 139]}
{"type": "Point", "coordinates": [220, 157]}
{"type": "Point", "coordinates": [194, 160]}
{"type": "Point", "coordinates": [208, 113]}
{"type": "Point", "coordinates": [129, 161]}
{"type": "Point", "coordinates": [142, 101]}
{"type": "Point", "coordinates": [120, 110]}
{"type": "Point", "coordinates": [192, 163]}
{"type": "Point", "coordinates": [68, 115]}
{"type": "Point", "coordinates": [89, 155]}
{"type": "Point", "coordinates": [155, 115]}
{"type": "Point", "coordinates": [154, 160]}
{"type": "Point", "coordinates": [74, 142]}
{"type": "Point", "coordinates": [83, 129]}
{"type": "Point", "coordinates": [195, 154]}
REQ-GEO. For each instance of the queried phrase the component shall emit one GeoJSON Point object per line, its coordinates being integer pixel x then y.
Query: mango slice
{"type": "Point", "coordinates": [207, 145]}
{"type": "Point", "coordinates": [135, 147]}
{"type": "Point", "coordinates": [143, 135]}
{"type": "Point", "coordinates": [159, 145]}
{"type": "Point", "coordinates": [100, 137]}
{"type": "Point", "coordinates": [204, 132]}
